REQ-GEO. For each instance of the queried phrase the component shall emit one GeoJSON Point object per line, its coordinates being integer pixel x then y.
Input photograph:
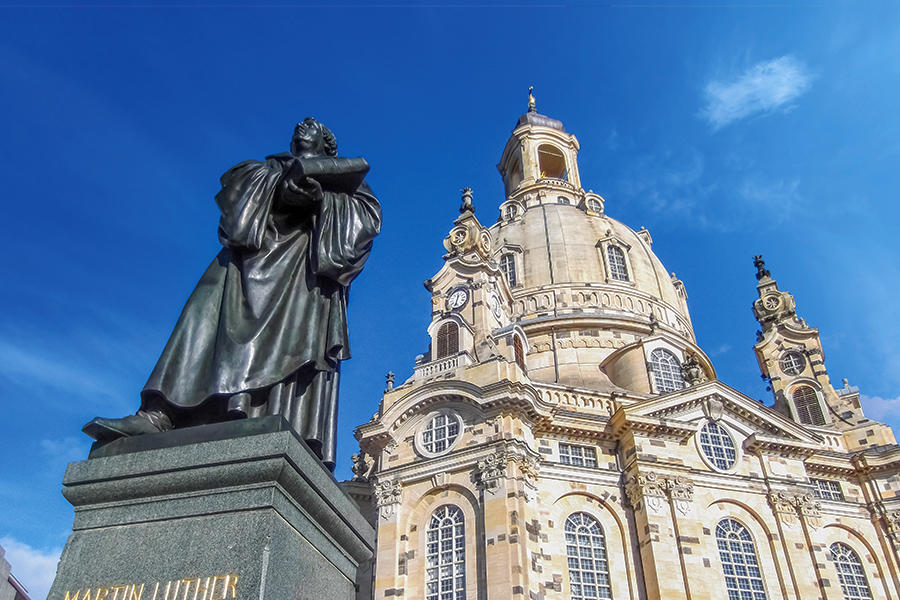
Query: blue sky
{"type": "Point", "coordinates": [726, 131]}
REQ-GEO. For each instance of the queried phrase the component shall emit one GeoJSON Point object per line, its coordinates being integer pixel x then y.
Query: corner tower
{"type": "Point", "coordinates": [792, 360]}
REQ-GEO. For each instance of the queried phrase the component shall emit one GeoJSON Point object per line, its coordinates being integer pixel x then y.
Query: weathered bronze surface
{"type": "Point", "coordinates": [265, 330]}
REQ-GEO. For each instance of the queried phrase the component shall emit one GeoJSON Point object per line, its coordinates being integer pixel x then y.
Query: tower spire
{"type": "Point", "coordinates": [532, 107]}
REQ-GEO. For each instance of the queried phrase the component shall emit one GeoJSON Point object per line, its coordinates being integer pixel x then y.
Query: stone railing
{"type": "Point", "coordinates": [443, 365]}
{"type": "Point", "coordinates": [600, 298]}
{"type": "Point", "coordinates": [577, 399]}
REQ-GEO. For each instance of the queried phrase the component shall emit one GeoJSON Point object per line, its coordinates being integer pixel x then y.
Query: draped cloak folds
{"type": "Point", "coordinates": [268, 319]}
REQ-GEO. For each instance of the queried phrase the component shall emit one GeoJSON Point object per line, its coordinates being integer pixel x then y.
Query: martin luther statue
{"type": "Point", "coordinates": [265, 330]}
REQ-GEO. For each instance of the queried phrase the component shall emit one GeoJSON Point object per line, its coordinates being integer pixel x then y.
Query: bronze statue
{"type": "Point", "coordinates": [265, 330]}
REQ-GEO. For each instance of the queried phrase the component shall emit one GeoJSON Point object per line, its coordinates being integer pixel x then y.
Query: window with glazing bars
{"type": "Point", "coordinates": [806, 401]}
{"type": "Point", "coordinates": [445, 555]}
{"type": "Point", "coordinates": [618, 270]}
{"type": "Point", "coordinates": [717, 446]}
{"type": "Point", "coordinates": [579, 456]}
{"type": "Point", "coordinates": [666, 371]}
{"type": "Point", "coordinates": [586, 557]}
{"type": "Point", "coordinates": [743, 577]}
{"type": "Point", "coordinates": [827, 489]}
{"type": "Point", "coordinates": [508, 268]}
{"type": "Point", "coordinates": [850, 572]}
{"type": "Point", "coordinates": [441, 432]}
{"type": "Point", "coordinates": [448, 340]}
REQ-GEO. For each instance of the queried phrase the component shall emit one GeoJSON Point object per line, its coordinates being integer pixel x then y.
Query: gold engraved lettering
{"type": "Point", "coordinates": [204, 587]}
{"type": "Point", "coordinates": [187, 587]}
{"type": "Point", "coordinates": [134, 596]}
{"type": "Point", "coordinates": [69, 595]}
{"type": "Point", "coordinates": [232, 585]}
{"type": "Point", "coordinates": [103, 591]}
{"type": "Point", "coordinates": [212, 588]}
{"type": "Point", "coordinates": [116, 591]}
{"type": "Point", "coordinates": [87, 594]}
{"type": "Point", "coordinates": [155, 589]}
{"type": "Point", "coordinates": [166, 596]}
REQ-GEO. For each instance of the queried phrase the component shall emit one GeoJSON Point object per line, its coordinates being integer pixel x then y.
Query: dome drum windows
{"type": "Point", "coordinates": [618, 269]}
{"type": "Point", "coordinates": [614, 254]}
{"type": "Point", "coordinates": [508, 268]}
{"type": "Point", "coordinates": [666, 371]}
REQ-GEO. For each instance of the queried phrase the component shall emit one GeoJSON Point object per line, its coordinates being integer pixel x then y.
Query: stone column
{"type": "Point", "coordinates": [663, 574]}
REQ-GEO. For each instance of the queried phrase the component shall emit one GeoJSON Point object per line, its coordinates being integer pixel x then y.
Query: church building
{"type": "Point", "coordinates": [566, 438]}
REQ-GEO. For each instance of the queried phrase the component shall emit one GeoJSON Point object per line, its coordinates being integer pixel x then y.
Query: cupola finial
{"type": "Point", "coordinates": [761, 270]}
{"type": "Point", "coordinates": [467, 205]}
{"type": "Point", "coordinates": [532, 107]}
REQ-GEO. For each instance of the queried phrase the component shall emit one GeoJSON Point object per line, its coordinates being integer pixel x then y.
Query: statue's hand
{"type": "Point", "coordinates": [305, 193]}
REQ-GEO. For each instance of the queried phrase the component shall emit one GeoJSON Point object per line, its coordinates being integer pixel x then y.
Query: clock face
{"type": "Point", "coordinates": [494, 304]}
{"type": "Point", "coordinates": [457, 298]}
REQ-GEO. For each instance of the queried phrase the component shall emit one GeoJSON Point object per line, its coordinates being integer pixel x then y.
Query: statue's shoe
{"type": "Point", "coordinates": [106, 430]}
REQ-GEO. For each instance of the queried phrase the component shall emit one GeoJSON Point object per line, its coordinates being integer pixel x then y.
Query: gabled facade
{"type": "Point", "coordinates": [565, 437]}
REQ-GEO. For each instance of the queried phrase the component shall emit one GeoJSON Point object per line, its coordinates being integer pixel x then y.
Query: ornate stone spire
{"type": "Point", "coordinates": [761, 270]}
{"type": "Point", "coordinates": [532, 107]}
{"type": "Point", "coordinates": [467, 205]}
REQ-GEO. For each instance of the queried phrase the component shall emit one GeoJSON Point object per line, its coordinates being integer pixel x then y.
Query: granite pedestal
{"type": "Point", "coordinates": [233, 510]}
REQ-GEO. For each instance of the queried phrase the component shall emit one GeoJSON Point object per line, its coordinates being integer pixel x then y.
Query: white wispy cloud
{"type": "Point", "coordinates": [34, 568]}
{"type": "Point", "coordinates": [881, 409]}
{"type": "Point", "coordinates": [762, 88]}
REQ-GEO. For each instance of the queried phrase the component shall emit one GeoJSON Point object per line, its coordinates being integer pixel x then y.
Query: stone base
{"type": "Point", "coordinates": [238, 510]}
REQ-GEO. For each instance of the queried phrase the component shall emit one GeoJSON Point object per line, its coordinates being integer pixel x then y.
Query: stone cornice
{"type": "Point", "coordinates": [623, 422]}
{"type": "Point", "coordinates": [759, 443]}
{"type": "Point", "coordinates": [876, 463]}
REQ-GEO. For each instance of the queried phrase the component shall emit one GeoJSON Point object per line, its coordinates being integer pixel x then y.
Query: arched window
{"type": "Point", "coordinates": [445, 555]}
{"type": "Point", "coordinates": [448, 340]}
{"type": "Point", "coordinates": [511, 211]}
{"type": "Point", "coordinates": [666, 371]}
{"type": "Point", "coordinates": [850, 572]}
{"type": "Point", "coordinates": [743, 578]}
{"type": "Point", "coordinates": [508, 268]}
{"type": "Point", "coordinates": [519, 350]}
{"type": "Point", "coordinates": [806, 401]}
{"type": "Point", "coordinates": [586, 553]}
{"type": "Point", "coordinates": [552, 162]}
{"type": "Point", "coordinates": [618, 270]}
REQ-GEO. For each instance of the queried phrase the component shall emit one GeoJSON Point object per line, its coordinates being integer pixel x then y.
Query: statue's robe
{"type": "Point", "coordinates": [267, 323]}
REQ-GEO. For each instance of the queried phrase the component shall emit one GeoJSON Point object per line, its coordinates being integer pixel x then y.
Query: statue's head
{"type": "Point", "coordinates": [311, 138]}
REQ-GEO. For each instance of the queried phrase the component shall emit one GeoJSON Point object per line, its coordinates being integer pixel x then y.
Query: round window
{"type": "Point", "coordinates": [439, 433]}
{"type": "Point", "coordinates": [793, 363]}
{"type": "Point", "coordinates": [593, 205]}
{"type": "Point", "coordinates": [717, 446]}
